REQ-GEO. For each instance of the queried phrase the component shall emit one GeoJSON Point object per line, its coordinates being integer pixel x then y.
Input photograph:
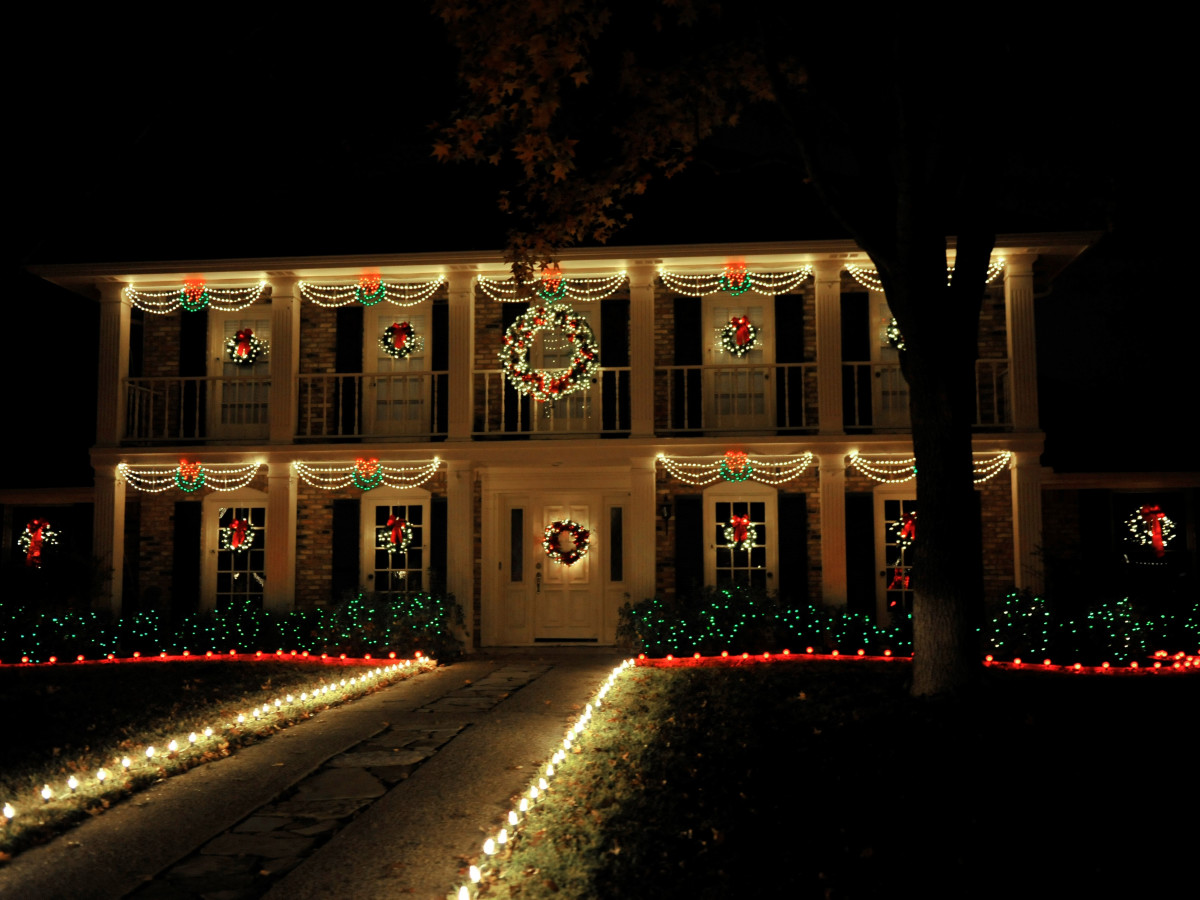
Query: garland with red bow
{"type": "Point", "coordinates": [395, 536]}
{"type": "Point", "coordinates": [741, 533]}
{"type": "Point", "coordinates": [237, 536]}
{"type": "Point", "coordinates": [580, 535]}
{"type": "Point", "coordinates": [1149, 526]}
{"type": "Point", "coordinates": [739, 337]}
{"type": "Point", "coordinates": [244, 347]}
{"type": "Point", "coordinates": [34, 539]}
{"type": "Point", "coordinates": [399, 340]}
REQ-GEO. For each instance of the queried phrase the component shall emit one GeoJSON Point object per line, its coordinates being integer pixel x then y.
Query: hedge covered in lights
{"type": "Point", "coordinates": [367, 623]}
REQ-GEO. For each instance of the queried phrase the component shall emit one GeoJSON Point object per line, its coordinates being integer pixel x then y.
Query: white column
{"type": "Point", "coordinates": [832, 480]}
{"type": "Point", "coordinates": [462, 355]}
{"type": "Point", "coordinates": [108, 535]}
{"type": "Point", "coordinates": [114, 365]}
{"type": "Point", "coordinates": [828, 276]}
{"type": "Point", "coordinates": [1022, 348]}
{"type": "Point", "coordinates": [1026, 475]}
{"type": "Point", "coordinates": [641, 351]}
{"type": "Point", "coordinates": [279, 593]}
{"type": "Point", "coordinates": [460, 541]}
{"type": "Point", "coordinates": [641, 558]}
{"type": "Point", "coordinates": [285, 359]}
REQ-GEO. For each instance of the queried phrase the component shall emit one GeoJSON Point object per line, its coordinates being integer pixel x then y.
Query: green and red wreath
{"type": "Point", "coordinates": [244, 347]}
{"type": "Point", "coordinates": [1150, 527]}
{"type": "Point", "coordinates": [34, 539]}
{"type": "Point", "coordinates": [400, 339]}
{"type": "Point", "coordinates": [580, 536]}
{"type": "Point", "coordinates": [740, 533]}
{"type": "Point", "coordinates": [395, 536]}
{"type": "Point", "coordinates": [739, 337]}
{"type": "Point", "coordinates": [546, 385]}
{"type": "Point", "coordinates": [237, 536]}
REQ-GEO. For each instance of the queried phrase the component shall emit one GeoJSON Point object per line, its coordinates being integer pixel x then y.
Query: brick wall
{"type": "Point", "coordinates": [995, 501]}
{"type": "Point", "coordinates": [318, 338]}
{"type": "Point", "coordinates": [160, 344]}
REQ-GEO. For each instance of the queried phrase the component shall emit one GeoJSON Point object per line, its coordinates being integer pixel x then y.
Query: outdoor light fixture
{"type": "Point", "coordinates": [665, 512]}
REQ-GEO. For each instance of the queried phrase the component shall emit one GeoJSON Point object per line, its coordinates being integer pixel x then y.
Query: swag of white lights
{"type": "Point", "coordinates": [702, 470]}
{"type": "Point", "coordinates": [369, 291]}
{"type": "Point", "coordinates": [552, 287]}
{"type": "Point", "coordinates": [869, 278]}
{"type": "Point", "coordinates": [896, 470]}
{"type": "Point", "coordinates": [217, 477]}
{"type": "Point", "coordinates": [195, 295]}
{"type": "Point", "coordinates": [736, 280]}
{"type": "Point", "coordinates": [362, 472]}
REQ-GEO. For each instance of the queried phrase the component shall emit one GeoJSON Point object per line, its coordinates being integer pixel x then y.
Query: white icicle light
{"type": "Point", "coordinates": [9, 812]}
{"type": "Point", "coordinates": [476, 875]}
{"type": "Point", "coordinates": [489, 846]}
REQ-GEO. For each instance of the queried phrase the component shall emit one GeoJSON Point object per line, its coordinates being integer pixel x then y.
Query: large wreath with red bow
{"type": "Point", "coordinates": [400, 339]}
{"type": "Point", "coordinates": [739, 337]}
{"type": "Point", "coordinates": [579, 535]}
{"type": "Point", "coordinates": [237, 536]}
{"type": "Point", "coordinates": [244, 347]}
{"type": "Point", "coordinates": [904, 530]}
{"type": "Point", "coordinates": [545, 385]}
{"type": "Point", "coordinates": [36, 536]}
{"type": "Point", "coordinates": [1150, 527]}
{"type": "Point", "coordinates": [395, 536]}
{"type": "Point", "coordinates": [740, 533]}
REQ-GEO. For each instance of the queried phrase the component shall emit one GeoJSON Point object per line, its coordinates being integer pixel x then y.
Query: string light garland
{"type": "Point", "coordinates": [736, 280]}
{"type": "Point", "coordinates": [736, 466]}
{"type": "Point", "coordinates": [869, 278]}
{"type": "Point", "coordinates": [189, 476]}
{"type": "Point", "coordinates": [400, 339]}
{"type": "Point", "coordinates": [237, 536]}
{"type": "Point", "coordinates": [1149, 526]}
{"type": "Point", "coordinates": [366, 473]}
{"type": "Point", "coordinates": [741, 533]}
{"type": "Point", "coordinates": [738, 337]}
{"type": "Point", "coordinates": [243, 348]}
{"type": "Point", "coordinates": [368, 291]}
{"type": "Point", "coordinates": [395, 536]}
{"type": "Point", "coordinates": [580, 535]}
{"type": "Point", "coordinates": [194, 296]}
{"type": "Point", "coordinates": [551, 287]}
{"type": "Point", "coordinates": [543, 385]}
{"type": "Point", "coordinates": [34, 539]}
{"type": "Point", "coordinates": [889, 470]}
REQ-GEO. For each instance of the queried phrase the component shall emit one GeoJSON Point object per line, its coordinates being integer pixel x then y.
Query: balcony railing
{"type": "Point", "coordinates": [168, 410]}
{"type": "Point", "coordinates": [400, 405]}
{"type": "Point", "coordinates": [603, 408]}
{"type": "Point", "coordinates": [875, 396]}
{"type": "Point", "coordinates": [735, 398]}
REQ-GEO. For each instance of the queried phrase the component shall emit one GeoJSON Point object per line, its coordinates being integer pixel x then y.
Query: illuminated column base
{"type": "Point", "coordinates": [279, 593]}
{"type": "Point", "coordinates": [832, 480]}
{"type": "Point", "coordinates": [460, 554]}
{"type": "Point", "coordinates": [108, 535]}
{"type": "Point", "coordinates": [1026, 475]}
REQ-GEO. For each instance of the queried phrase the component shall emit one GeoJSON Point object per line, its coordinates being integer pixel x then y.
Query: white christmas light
{"type": "Point", "coordinates": [896, 470]}
{"type": "Point", "coordinates": [869, 278]}
{"type": "Point", "coordinates": [702, 470]}
{"type": "Point", "coordinates": [9, 812]}
{"type": "Point", "coordinates": [550, 289]}
{"type": "Point", "coordinates": [369, 291]}
{"type": "Point", "coordinates": [366, 472]}
{"type": "Point", "coordinates": [189, 477]}
{"type": "Point", "coordinates": [736, 280]}
{"type": "Point", "coordinates": [195, 295]}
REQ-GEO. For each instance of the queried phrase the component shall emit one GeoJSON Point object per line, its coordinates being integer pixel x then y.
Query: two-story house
{"type": "Point", "coordinates": [286, 432]}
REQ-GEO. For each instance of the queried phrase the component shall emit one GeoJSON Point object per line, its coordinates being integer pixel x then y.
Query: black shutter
{"type": "Point", "coordinates": [185, 571]}
{"type": "Point", "coordinates": [438, 537]}
{"type": "Point", "coordinates": [689, 545]}
{"type": "Point", "coordinates": [861, 577]}
{"type": "Point", "coordinates": [789, 348]}
{"type": "Point", "coordinates": [348, 357]}
{"type": "Point", "coordinates": [856, 347]}
{"type": "Point", "coordinates": [614, 352]}
{"type": "Point", "coordinates": [516, 406]}
{"type": "Point", "coordinates": [792, 578]}
{"type": "Point", "coordinates": [193, 362]}
{"type": "Point", "coordinates": [344, 549]}
{"type": "Point", "coordinates": [439, 359]}
{"type": "Point", "coordinates": [137, 338]}
{"type": "Point", "coordinates": [686, 399]}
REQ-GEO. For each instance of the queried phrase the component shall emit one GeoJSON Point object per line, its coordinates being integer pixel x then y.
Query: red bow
{"type": "Point", "coordinates": [1154, 516]}
{"type": "Point", "coordinates": [243, 342]}
{"type": "Point", "coordinates": [237, 533]}
{"type": "Point", "coordinates": [909, 528]}
{"type": "Point", "coordinates": [741, 527]}
{"type": "Point", "coordinates": [189, 471]}
{"type": "Point", "coordinates": [742, 332]}
{"type": "Point", "coordinates": [34, 553]}
{"type": "Point", "coordinates": [397, 526]}
{"type": "Point", "coordinates": [899, 583]}
{"type": "Point", "coordinates": [398, 334]}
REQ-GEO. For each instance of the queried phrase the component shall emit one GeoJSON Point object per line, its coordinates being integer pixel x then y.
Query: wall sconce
{"type": "Point", "coordinates": [665, 512]}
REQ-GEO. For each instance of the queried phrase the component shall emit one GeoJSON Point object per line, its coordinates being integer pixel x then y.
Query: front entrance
{"type": "Point", "coordinates": [895, 537]}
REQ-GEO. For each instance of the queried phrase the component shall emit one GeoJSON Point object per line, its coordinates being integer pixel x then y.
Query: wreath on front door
{"type": "Point", "coordinates": [740, 533]}
{"type": "Point", "coordinates": [1149, 527]}
{"type": "Point", "coordinates": [739, 337]}
{"type": "Point", "coordinates": [579, 535]}
{"type": "Point", "coordinates": [544, 385]}
{"type": "Point", "coordinates": [904, 530]}
{"type": "Point", "coordinates": [400, 339]}
{"type": "Point", "coordinates": [395, 536]}
{"type": "Point", "coordinates": [36, 536]}
{"type": "Point", "coordinates": [237, 536]}
{"type": "Point", "coordinates": [244, 347]}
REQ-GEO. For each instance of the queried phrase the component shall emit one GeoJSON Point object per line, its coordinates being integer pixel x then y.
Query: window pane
{"type": "Point", "coordinates": [516, 543]}
{"type": "Point", "coordinates": [616, 545]}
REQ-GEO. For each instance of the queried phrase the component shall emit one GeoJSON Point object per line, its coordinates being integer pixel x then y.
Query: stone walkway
{"type": "Point", "coordinates": [385, 796]}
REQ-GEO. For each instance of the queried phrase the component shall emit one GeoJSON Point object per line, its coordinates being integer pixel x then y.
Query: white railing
{"type": "Point", "coordinates": [164, 410]}
{"type": "Point", "coordinates": [602, 408]}
{"type": "Point", "coordinates": [402, 405]}
{"type": "Point", "coordinates": [780, 397]}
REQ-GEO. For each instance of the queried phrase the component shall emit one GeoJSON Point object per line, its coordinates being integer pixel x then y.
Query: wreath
{"type": "Point", "coordinates": [237, 536]}
{"type": "Point", "coordinates": [370, 291]}
{"type": "Point", "coordinates": [904, 530]}
{"type": "Point", "coordinates": [244, 347]}
{"type": "Point", "coordinates": [189, 477]}
{"type": "Point", "coordinates": [579, 535]}
{"type": "Point", "coordinates": [735, 466]}
{"type": "Point", "coordinates": [894, 338]}
{"type": "Point", "coordinates": [36, 536]}
{"type": "Point", "coordinates": [395, 536]}
{"type": "Point", "coordinates": [1149, 527]}
{"type": "Point", "coordinates": [739, 337]}
{"type": "Point", "coordinates": [399, 340]}
{"type": "Point", "coordinates": [542, 385]}
{"type": "Point", "coordinates": [740, 533]}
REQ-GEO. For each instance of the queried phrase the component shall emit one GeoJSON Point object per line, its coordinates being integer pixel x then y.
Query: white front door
{"type": "Point", "coordinates": [741, 535]}
{"type": "Point", "coordinates": [895, 536]}
{"type": "Point", "coordinates": [396, 395]}
{"type": "Point", "coordinates": [566, 602]}
{"type": "Point", "coordinates": [394, 543]}
{"type": "Point", "coordinates": [237, 403]}
{"type": "Point", "coordinates": [739, 391]}
{"type": "Point", "coordinates": [234, 550]}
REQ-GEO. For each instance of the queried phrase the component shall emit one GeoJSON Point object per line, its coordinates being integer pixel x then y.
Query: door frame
{"type": "Point", "coordinates": [384, 496]}
{"type": "Point", "coordinates": [731, 492]}
{"type": "Point", "coordinates": [906, 492]}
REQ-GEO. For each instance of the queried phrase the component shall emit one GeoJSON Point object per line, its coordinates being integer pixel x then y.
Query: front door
{"type": "Point", "coordinates": [738, 390]}
{"type": "Point", "coordinates": [396, 396]}
{"type": "Point", "coordinates": [741, 535]}
{"type": "Point", "coordinates": [394, 543]}
{"type": "Point", "coordinates": [237, 405]}
{"type": "Point", "coordinates": [895, 539]}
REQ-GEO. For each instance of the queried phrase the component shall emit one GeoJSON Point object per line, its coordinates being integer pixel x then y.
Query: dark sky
{"type": "Point", "coordinates": [143, 141]}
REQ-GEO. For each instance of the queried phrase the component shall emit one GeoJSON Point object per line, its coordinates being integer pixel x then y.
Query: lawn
{"type": "Point", "coordinates": [817, 779]}
{"type": "Point", "coordinates": [71, 720]}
